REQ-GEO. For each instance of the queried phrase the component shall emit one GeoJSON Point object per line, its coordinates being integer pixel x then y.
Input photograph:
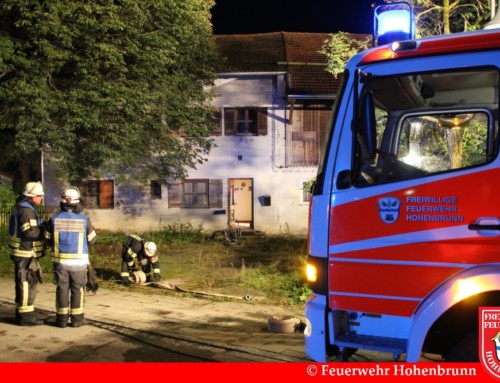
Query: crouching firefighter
{"type": "Point", "coordinates": [70, 234]}
{"type": "Point", "coordinates": [27, 244]}
{"type": "Point", "coordinates": [139, 254]}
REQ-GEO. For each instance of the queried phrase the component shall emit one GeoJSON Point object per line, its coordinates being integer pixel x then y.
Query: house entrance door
{"type": "Point", "coordinates": [241, 201]}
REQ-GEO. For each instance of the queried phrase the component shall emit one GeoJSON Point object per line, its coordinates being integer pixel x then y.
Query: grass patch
{"type": "Point", "coordinates": [269, 267]}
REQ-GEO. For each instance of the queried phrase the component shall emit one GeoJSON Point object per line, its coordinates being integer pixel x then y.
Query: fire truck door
{"type": "Point", "coordinates": [417, 216]}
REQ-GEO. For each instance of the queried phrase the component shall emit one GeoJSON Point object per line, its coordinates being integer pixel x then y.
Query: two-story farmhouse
{"type": "Point", "coordinates": [273, 97]}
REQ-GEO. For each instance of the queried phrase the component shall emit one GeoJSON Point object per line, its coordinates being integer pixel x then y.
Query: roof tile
{"type": "Point", "coordinates": [295, 53]}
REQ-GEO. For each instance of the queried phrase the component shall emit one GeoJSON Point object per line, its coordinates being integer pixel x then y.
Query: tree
{"type": "Point", "coordinates": [107, 84]}
{"type": "Point", "coordinates": [340, 47]}
{"type": "Point", "coordinates": [436, 17]}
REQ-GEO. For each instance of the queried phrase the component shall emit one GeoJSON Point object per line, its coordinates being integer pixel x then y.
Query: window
{"type": "Point", "coordinates": [195, 193]}
{"type": "Point", "coordinates": [306, 131]}
{"type": "Point", "coordinates": [245, 121]}
{"type": "Point", "coordinates": [425, 124]}
{"type": "Point", "coordinates": [306, 191]}
{"type": "Point", "coordinates": [98, 194]}
{"type": "Point", "coordinates": [155, 188]}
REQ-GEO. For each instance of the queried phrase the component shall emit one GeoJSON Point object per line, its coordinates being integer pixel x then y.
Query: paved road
{"type": "Point", "coordinates": [94, 343]}
{"type": "Point", "coordinates": [130, 326]}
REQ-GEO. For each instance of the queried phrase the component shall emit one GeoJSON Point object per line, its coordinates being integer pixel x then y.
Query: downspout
{"type": "Point", "coordinates": [274, 125]}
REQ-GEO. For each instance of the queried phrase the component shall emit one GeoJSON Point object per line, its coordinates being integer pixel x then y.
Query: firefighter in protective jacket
{"type": "Point", "coordinates": [27, 244]}
{"type": "Point", "coordinates": [70, 234]}
{"type": "Point", "coordinates": [141, 254]}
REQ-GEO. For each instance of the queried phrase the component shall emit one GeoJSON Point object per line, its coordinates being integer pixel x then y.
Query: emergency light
{"type": "Point", "coordinates": [393, 22]}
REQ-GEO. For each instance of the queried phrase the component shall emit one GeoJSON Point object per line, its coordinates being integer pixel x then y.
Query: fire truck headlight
{"type": "Point", "coordinates": [317, 274]}
{"type": "Point", "coordinates": [311, 273]}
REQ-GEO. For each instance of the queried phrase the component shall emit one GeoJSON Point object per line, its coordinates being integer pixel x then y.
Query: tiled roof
{"type": "Point", "coordinates": [250, 53]}
{"type": "Point", "coordinates": [293, 52]}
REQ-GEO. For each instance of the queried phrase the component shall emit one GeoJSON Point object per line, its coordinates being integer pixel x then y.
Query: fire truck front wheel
{"type": "Point", "coordinates": [465, 350]}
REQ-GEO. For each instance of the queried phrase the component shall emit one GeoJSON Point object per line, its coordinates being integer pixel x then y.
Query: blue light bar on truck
{"type": "Point", "coordinates": [393, 22]}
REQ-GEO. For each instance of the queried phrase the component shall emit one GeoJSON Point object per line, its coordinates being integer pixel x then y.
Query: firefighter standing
{"type": "Point", "coordinates": [70, 234]}
{"type": "Point", "coordinates": [26, 243]}
{"type": "Point", "coordinates": [138, 252]}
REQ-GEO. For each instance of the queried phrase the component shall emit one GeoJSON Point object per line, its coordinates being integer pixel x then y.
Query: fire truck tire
{"type": "Point", "coordinates": [465, 350]}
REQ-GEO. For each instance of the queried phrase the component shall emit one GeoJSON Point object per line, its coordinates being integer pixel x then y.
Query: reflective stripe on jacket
{"type": "Point", "coordinates": [70, 238]}
{"type": "Point", "coordinates": [23, 219]}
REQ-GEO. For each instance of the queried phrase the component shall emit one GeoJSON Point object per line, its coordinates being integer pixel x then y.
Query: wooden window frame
{"type": "Point", "coordinates": [213, 194]}
{"type": "Point", "coordinates": [254, 125]}
{"type": "Point", "coordinates": [195, 194]}
{"type": "Point", "coordinates": [99, 194]}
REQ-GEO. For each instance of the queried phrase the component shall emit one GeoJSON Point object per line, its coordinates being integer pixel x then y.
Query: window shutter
{"type": "Point", "coordinates": [230, 122]}
{"type": "Point", "coordinates": [217, 123]}
{"type": "Point", "coordinates": [215, 194]}
{"type": "Point", "coordinates": [262, 122]}
{"type": "Point", "coordinates": [174, 194]}
{"type": "Point", "coordinates": [84, 194]}
{"type": "Point", "coordinates": [106, 194]}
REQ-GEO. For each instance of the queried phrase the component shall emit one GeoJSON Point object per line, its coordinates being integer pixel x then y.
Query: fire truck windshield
{"type": "Point", "coordinates": [426, 123]}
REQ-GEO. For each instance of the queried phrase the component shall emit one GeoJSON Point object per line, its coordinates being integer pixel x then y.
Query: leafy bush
{"type": "Point", "coordinates": [178, 233]}
{"type": "Point", "coordinates": [7, 195]}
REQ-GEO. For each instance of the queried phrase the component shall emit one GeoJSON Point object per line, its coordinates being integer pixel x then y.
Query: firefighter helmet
{"type": "Point", "coordinates": [33, 189]}
{"type": "Point", "coordinates": [150, 249]}
{"type": "Point", "coordinates": [71, 195]}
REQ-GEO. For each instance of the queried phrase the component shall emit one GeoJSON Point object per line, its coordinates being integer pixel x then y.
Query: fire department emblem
{"type": "Point", "coordinates": [388, 209]}
{"type": "Point", "coordinates": [489, 339]}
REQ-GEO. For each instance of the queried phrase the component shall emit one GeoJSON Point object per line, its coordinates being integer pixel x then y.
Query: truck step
{"type": "Point", "coordinates": [396, 346]}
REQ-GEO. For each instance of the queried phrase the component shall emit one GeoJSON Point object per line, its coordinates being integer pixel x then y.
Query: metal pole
{"type": "Point", "coordinates": [41, 165]}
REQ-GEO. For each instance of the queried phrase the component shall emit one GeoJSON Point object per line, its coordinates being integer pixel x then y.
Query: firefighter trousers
{"type": "Point", "coordinates": [25, 290]}
{"type": "Point", "coordinates": [70, 282]}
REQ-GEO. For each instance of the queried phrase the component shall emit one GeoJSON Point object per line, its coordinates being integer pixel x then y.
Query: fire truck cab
{"type": "Point", "coordinates": [404, 242]}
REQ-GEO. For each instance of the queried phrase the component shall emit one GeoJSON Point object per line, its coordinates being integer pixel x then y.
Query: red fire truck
{"type": "Point", "coordinates": [404, 232]}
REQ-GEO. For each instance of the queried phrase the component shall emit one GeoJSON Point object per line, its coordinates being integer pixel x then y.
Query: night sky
{"type": "Point", "coordinates": [262, 16]}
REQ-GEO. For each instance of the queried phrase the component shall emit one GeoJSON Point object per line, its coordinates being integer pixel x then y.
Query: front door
{"type": "Point", "coordinates": [241, 201]}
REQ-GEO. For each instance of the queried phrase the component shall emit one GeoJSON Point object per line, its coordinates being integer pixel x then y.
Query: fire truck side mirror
{"type": "Point", "coordinates": [344, 179]}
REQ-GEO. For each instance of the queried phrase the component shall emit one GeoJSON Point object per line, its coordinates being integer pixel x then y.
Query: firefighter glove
{"type": "Point", "coordinates": [35, 273]}
{"type": "Point", "coordinates": [157, 277]}
{"type": "Point", "coordinates": [92, 284]}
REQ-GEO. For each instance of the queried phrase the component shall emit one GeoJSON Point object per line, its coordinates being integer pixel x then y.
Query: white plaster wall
{"type": "Point", "coordinates": [262, 159]}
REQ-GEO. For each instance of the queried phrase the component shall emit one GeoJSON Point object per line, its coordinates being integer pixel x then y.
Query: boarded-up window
{"type": "Point", "coordinates": [99, 194]}
{"type": "Point", "coordinates": [245, 121]}
{"type": "Point", "coordinates": [195, 193]}
{"type": "Point", "coordinates": [306, 133]}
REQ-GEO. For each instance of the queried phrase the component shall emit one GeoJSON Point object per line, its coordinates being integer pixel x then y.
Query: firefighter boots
{"type": "Point", "coordinates": [62, 320]}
